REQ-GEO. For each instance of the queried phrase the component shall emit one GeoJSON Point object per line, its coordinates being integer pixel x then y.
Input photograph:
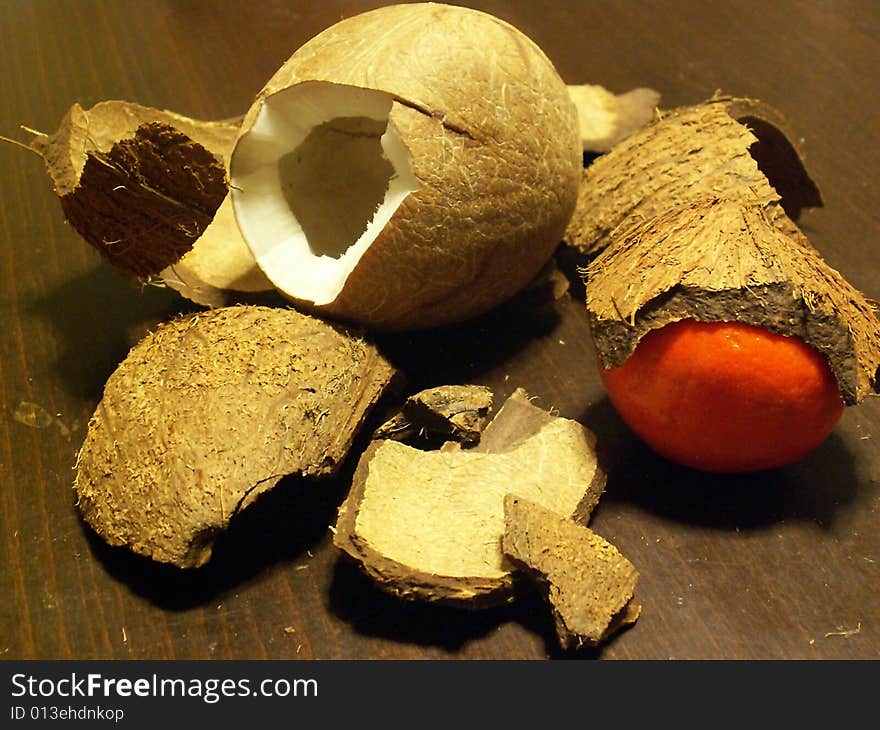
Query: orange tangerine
{"type": "Point", "coordinates": [726, 396]}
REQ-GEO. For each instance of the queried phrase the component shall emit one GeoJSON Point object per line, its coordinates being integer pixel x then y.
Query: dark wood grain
{"type": "Point", "coordinates": [780, 565]}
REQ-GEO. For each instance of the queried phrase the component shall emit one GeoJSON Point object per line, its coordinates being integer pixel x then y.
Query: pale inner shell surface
{"type": "Point", "coordinates": [325, 172]}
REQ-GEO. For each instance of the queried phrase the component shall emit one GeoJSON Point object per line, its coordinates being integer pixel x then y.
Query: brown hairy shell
{"type": "Point", "coordinates": [139, 184]}
{"type": "Point", "coordinates": [725, 145]}
{"type": "Point", "coordinates": [725, 259]}
{"type": "Point", "coordinates": [147, 188]}
{"type": "Point", "coordinates": [588, 582]}
{"type": "Point", "coordinates": [210, 411]}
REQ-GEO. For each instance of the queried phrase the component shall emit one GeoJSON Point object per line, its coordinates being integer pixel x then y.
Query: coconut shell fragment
{"type": "Point", "coordinates": [589, 584]}
{"type": "Point", "coordinates": [427, 525]}
{"type": "Point", "coordinates": [449, 412]}
{"type": "Point", "coordinates": [219, 267]}
{"type": "Point", "coordinates": [605, 118]}
{"type": "Point", "coordinates": [723, 146]}
{"type": "Point", "coordinates": [147, 188]}
{"type": "Point", "coordinates": [724, 259]}
{"type": "Point", "coordinates": [210, 411]}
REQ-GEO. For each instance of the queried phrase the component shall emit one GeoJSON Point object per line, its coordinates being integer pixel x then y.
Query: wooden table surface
{"type": "Point", "coordinates": [784, 564]}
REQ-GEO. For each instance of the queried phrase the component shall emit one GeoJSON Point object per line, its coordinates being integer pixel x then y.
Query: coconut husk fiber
{"type": "Point", "coordinates": [693, 152]}
{"type": "Point", "coordinates": [212, 410]}
{"type": "Point", "coordinates": [725, 259]}
{"type": "Point", "coordinates": [139, 184]}
{"type": "Point", "coordinates": [588, 582]}
{"type": "Point", "coordinates": [147, 188]}
{"type": "Point", "coordinates": [427, 525]}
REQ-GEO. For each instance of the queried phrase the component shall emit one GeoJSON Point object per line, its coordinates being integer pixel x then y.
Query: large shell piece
{"type": "Point", "coordinates": [147, 188]}
{"type": "Point", "coordinates": [210, 411]}
{"type": "Point", "coordinates": [725, 259]}
{"type": "Point", "coordinates": [724, 146]}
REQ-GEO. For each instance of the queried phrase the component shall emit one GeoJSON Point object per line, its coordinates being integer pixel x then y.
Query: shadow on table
{"type": "Point", "coordinates": [281, 527]}
{"type": "Point", "coordinates": [815, 489]}
{"type": "Point", "coordinates": [356, 599]}
{"type": "Point", "coordinates": [463, 353]}
{"type": "Point", "coordinates": [97, 317]}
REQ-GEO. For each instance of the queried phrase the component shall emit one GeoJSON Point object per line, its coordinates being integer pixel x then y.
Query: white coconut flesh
{"type": "Point", "coordinates": [315, 180]}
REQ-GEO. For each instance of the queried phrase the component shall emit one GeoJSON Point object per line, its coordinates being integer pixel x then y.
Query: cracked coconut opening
{"type": "Point", "coordinates": [314, 182]}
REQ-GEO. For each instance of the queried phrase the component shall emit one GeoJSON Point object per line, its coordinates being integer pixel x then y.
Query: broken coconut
{"type": "Point", "coordinates": [725, 144]}
{"type": "Point", "coordinates": [411, 166]}
{"type": "Point", "coordinates": [210, 411]}
{"type": "Point", "coordinates": [449, 412]}
{"type": "Point", "coordinates": [589, 584]}
{"type": "Point", "coordinates": [428, 524]}
{"type": "Point", "coordinates": [726, 259]}
{"type": "Point", "coordinates": [147, 188]}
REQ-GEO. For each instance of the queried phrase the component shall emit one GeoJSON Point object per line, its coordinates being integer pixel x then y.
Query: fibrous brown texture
{"type": "Point", "coordinates": [493, 143]}
{"type": "Point", "coordinates": [210, 411]}
{"type": "Point", "coordinates": [709, 149]}
{"type": "Point", "coordinates": [692, 217]}
{"type": "Point", "coordinates": [451, 412]}
{"type": "Point", "coordinates": [590, 585]}
{"type": "Point", "coordinates": [427, 524]}
{"type": "Point", "coordinates": [605, 119]}
{"type": "Point", "coordinates": [133, 183]}
{"type": "Point", "coordinates": [724, 259]}
{"type": "Point", "coordinates": [145, 186]}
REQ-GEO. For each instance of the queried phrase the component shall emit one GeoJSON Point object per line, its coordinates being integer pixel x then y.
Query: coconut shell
{"type": "Point", "coordinates": [144, 186]}
{"type": "Point", "coordinates": [725, 259]}
{"type": "Point", "coordinates": [133, 183]}
{"type": "Point", "coordinates": [210, 411]}
{"type": "Point", "coordinates": [450, 412]}
{"type": "Point", "coordinates": [218, 266]}
{"type": "Point", "coordinates": [494, 143]}
{"type": "Point", "coordinates": [711, 149]}
{"type": "Point", "coordinates": [589, 584]}
{"type": "Point", "coordinates": [427, 525]}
